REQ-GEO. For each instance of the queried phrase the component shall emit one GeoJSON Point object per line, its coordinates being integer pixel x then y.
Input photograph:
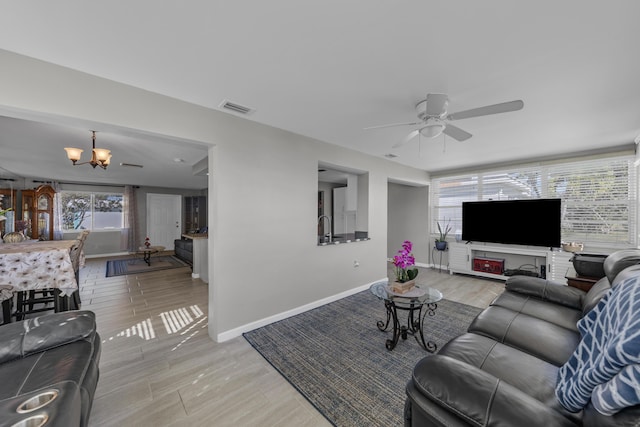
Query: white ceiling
{"type": "Point", "coordinates": [36, 150]}
{"type": "Point", "coordinates": [327, 69]}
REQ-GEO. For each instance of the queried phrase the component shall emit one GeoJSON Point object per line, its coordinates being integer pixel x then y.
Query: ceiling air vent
{"type": "Point", "coordinates": [236, 108]}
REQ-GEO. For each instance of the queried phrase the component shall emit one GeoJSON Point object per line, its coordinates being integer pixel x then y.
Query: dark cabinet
{"type": "Point", "coordinates": [195, 213]}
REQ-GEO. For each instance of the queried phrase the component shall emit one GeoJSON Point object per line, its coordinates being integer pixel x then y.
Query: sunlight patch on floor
{"type": "Point", "coordinates": [176, 320]}
{"type": "Point", "coordinates": [142, 329]}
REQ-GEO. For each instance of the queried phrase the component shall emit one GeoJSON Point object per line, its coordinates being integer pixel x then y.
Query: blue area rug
{"type": "Point", "coordinates": [336, 356]}
{"type": "Point", "coordinates": [121, 267]}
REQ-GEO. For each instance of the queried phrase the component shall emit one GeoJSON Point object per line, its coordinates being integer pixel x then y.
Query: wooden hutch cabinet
{"type": "Point", "coordinates": [37, 210]}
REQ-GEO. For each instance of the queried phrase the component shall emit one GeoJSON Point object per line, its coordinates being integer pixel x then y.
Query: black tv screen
{"type": "Point", "coordinates": [531, 222]}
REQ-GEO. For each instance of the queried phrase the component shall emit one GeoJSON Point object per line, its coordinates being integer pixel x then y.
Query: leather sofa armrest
{"type": "Point", "coordinates": [478, 397]}
{"type": "Point", "coordinates": [546, 291]}
{"type": "Point", "coordinates": [41, 333]}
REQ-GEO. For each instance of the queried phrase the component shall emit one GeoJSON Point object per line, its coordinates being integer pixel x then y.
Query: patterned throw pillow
{"type": "Point", "coordinates": [605, 367]}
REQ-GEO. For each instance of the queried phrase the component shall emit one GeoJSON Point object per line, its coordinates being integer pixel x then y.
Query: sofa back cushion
{"type": "Point", "coordinates": [595, 294]}
{"type": "Point", "coordinates": [619, 260]}
{"type": "Point", "coordinates": [614, 265]}
{"type": "Point", "coordinates": [625, 274]}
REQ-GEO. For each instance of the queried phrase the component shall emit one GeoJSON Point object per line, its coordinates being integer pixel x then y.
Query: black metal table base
{"type": "Point", "coordinates": [414, 326]}
{"type": "Point", "coordinates": [146, 255]}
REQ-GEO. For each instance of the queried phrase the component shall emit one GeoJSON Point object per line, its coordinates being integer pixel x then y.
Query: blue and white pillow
{"type": "Point", "coordinates": [605, 367]}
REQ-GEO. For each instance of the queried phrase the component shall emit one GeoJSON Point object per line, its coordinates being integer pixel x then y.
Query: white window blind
{"type": "Point", "coordinates": [599, 196]}
{"type": "Point", "coordinates": [599, 200]}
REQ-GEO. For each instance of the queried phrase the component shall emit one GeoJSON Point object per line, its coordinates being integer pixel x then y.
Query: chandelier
{"type": "Point", "coordinates": [99, 156]}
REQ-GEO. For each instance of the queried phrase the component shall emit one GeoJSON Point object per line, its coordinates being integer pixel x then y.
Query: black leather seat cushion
{"type": "Point", "coordinates": [529, 374]}
{"type": "Point", "coordinates": [445, 391]}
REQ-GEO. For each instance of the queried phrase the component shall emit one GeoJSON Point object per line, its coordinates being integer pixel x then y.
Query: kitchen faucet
{"type": "Point", "coordinates": [328, 219]}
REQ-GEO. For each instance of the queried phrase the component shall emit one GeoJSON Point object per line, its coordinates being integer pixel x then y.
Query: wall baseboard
{"type": "Point", "coordinates": [106, 255]}
{"type": "Point", "coordinates": [236, 332]}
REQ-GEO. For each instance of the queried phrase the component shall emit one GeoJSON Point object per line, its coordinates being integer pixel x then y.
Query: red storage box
{"type": "Point", "coordinates": [489, 265]}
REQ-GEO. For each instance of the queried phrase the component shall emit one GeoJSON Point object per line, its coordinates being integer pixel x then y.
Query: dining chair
{"type": "Point", "coordinates": [6, 293]}
{"type": "Point", "coordinates": [77, 260]}
{"type": "Point", "coordinates": [50, 298]}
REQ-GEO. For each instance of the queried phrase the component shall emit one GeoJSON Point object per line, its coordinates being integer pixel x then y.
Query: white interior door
{"type": "Point", "coordinates": [164, 216]}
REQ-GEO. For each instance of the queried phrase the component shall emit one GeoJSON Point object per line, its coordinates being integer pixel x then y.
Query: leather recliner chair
{"type": "Point", "coordinates": [49, 369]}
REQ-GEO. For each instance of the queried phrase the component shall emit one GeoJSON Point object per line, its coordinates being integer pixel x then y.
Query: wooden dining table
{"type": "Point", "coordinates": [32, 265]}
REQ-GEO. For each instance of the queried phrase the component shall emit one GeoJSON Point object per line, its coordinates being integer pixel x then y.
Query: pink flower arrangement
{"type": "Point", "coordinates": [402, 261]}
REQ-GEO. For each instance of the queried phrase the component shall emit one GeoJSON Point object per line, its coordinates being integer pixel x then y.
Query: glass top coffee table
{"type": "Point", "coordinates": [418, 300]}
{"type": "Point", "coordinates": [147, 251]}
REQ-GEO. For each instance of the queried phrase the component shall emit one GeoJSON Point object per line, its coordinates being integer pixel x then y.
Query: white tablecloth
{"type": "Point", "coordinates": [36, 265]}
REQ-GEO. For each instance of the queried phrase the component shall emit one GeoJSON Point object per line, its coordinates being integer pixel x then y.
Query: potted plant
{"type": "Point", "coordinates": [441, 240]}
{"type": "Point", "coordinates": [405, 272]}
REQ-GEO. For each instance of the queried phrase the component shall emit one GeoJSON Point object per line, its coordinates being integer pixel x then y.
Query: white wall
{"type": "Point", "coordinates": [263, 181]}
{"type": "Point", "coordinates": [408, 212]}
{"type": "Point", "coordinates": [99, 242]}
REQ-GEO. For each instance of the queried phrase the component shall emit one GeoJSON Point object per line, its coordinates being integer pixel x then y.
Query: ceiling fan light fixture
{"type": "Point", "coordinates": [99, 156]}
{"type": "Point", "coordinates": [433, 115]}
{"type": "Point", "coordinates": [432, 128]}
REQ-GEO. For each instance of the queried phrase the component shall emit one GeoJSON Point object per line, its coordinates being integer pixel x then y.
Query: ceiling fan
{"type": "Point", "coordinates": [433, 116]}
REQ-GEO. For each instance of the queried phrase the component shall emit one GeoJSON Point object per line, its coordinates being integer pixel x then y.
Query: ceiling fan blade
{"type": "Point", "coordinates": [456, 133]}
{"type": "Point", "coordinates": [437, 104]}
{"type": "Point", "coordinates": [391, 125]}
{"type": "Point", "coordinates": [504, 107]}
{"type": "Point", "coordinates": [407, 139]}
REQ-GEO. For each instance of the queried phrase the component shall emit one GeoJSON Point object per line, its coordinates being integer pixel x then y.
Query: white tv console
{"type": "Point", "coordinates": [555, 262]}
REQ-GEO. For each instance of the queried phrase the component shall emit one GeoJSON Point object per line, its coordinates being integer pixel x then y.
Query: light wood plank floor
{"type": "Point", "coordinates": [160, 368]}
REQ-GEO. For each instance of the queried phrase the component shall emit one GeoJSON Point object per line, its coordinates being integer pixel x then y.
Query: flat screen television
{"type": "Point", "coordinates": [531, 222]}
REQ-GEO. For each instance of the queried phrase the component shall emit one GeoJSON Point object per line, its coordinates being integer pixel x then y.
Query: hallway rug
{"type": "Point", "coordinates": [336, 357]}
{"type": "Point", "coordinates": [121, 267]}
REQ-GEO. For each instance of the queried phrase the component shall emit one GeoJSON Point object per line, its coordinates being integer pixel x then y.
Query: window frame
{"type": "Point", "coordinates": [92, 202]}
{"type": "Point", "coordinates": [540, 180]}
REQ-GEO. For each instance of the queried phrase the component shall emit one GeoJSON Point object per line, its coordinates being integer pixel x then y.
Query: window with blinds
{"type": "Point", "coordinates": [599, 196]}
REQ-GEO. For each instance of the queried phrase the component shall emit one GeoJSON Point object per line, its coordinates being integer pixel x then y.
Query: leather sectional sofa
{"type": "Point", "coordinates": [49, 370]}
{"type": "Point", "coordinates": [504, 370]}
